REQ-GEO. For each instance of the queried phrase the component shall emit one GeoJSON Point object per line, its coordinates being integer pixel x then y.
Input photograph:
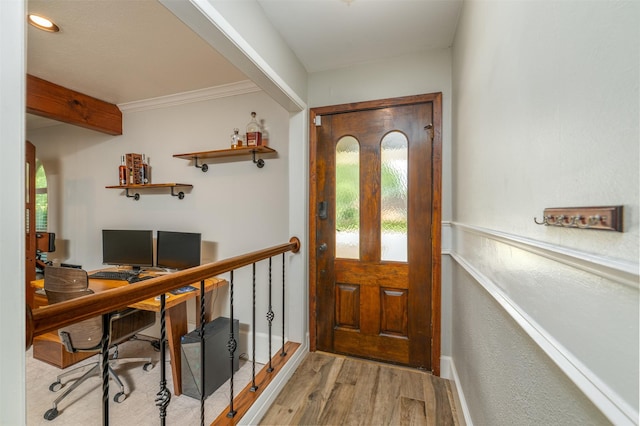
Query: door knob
{"type": "Point", "coordinates": [322, 247]}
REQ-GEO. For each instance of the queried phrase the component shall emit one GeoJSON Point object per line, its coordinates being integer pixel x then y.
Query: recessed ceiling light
{"type": "Point", "coordinates": [43, 23]}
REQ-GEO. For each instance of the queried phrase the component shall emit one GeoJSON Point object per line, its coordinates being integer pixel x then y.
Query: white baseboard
{"type": "Point", "coordinates": [445, 367]}
{"type": "Point", "coordinates": [264, 401]}
{"type": "Point", "coordinates": [448, 371]}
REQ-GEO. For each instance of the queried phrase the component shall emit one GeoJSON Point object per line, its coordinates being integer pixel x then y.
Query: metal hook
{"type": "Point", "coordinates": [557, 220]}
{"type": "Point", "coordinates": [544, 221]}
{"type": "Point", "coordinates": [574, 221]}
{"type": "Point", "coordinates": [582, 222]}
{"type": "Point", "coordinates": [595, 220]}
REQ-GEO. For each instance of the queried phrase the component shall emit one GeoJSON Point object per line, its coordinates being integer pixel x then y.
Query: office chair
{"type": "Point", "coordinates": [62, 284]}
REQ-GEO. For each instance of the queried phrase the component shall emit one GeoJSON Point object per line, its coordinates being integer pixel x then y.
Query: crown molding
{"type": "Point", "coordinates": [217, 92]}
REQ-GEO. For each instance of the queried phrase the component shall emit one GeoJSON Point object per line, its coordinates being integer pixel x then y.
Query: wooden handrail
{"type": "Point", "coordinates": [53, 317]}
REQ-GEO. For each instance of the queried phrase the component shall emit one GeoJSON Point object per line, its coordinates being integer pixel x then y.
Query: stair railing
{"type": "Point", "coordinates": [52, 317]}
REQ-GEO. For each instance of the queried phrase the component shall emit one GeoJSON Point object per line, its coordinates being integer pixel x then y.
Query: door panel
{"type": "Point", "coordinates": [366, 306]}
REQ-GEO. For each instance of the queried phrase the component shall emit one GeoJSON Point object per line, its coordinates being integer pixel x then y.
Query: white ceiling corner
{"type": "Point", "coordinates": [126, 52]}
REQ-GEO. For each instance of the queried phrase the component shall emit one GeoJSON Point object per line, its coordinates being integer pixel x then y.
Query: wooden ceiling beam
{"type": "Point", "coordinates": [49, 100]}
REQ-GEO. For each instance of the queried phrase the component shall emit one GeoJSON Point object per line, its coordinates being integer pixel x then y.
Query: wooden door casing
{"type": "Point", "coordinates": [30, 218]}
{"type": "Point", "coordinates": [381, 282]}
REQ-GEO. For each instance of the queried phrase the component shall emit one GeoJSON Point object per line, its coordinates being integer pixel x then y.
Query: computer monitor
{"type": "Point", "coordinates": [127, 247]}
{"type": "Point", "coordinates": [177, 250]}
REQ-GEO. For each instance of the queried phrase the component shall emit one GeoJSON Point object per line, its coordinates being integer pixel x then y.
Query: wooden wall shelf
{"type": "Point", "coordinates": [231, 152]}
{"type": "Point", "coordinates": [136, 195]}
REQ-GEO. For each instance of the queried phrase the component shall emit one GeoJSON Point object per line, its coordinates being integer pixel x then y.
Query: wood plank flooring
{"type": "Point", "coordinates": [330, 389]}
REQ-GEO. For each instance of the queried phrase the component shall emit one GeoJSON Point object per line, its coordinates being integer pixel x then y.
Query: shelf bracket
{"type": "Point", "coordinates": [180, 194]}
{"type": "Point", "coordinates": [135, 196]}
{"type": "Point", "coordinates": [259, 162]}
{"type": "Point", "coordinates": [203, 167]}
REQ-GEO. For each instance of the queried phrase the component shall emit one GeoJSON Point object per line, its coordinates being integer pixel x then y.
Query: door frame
{"type": "Point", "coordinates": [30, 228]}
{"type": "Point", "coordinates": [436, 210]}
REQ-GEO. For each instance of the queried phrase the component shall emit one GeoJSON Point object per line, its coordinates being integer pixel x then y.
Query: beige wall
{"type": "Point", "coordinates": [545, 115]}
{"type": "Point", "coordinates": [236, 206]}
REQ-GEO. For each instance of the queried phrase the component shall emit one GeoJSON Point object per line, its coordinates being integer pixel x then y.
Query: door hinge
{"type": "Point", "coordinates": [317, 120]}
{"type": "Point", "coordinates": [429, 128]}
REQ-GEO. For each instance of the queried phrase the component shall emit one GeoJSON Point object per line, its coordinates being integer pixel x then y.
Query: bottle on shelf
{"type": "Point", "coordinates": [254, 136]}
{"type": "Point", "coordinates": [122, 172]}
{"type": "Point", "coordinates": [265, 133]}
{"type": "Point", "coordinates": [236, 140]}
{"type": "Point", "coordinates": [145, 171]}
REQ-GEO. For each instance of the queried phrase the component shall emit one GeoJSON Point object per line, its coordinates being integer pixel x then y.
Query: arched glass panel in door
{"type": "Point", "coordinates": [394, 196]}
{"type": "Point", "coordinates": [348, 198]}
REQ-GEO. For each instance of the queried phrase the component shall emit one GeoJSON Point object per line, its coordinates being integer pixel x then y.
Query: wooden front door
{"type": "Point", "coordinates": [30, 225]}
{"type": "Point", "coordinates": [375, 245]}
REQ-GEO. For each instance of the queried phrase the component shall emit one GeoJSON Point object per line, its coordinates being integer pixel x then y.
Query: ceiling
{"type": "Point", "coordinates": [124, 51]}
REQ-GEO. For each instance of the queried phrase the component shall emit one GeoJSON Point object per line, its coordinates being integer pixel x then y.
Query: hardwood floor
{"type": "Point", "coordinates": [331, 389]}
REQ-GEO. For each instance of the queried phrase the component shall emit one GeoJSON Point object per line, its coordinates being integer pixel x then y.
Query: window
{"type": "Point", "coordinates": [42, 202]}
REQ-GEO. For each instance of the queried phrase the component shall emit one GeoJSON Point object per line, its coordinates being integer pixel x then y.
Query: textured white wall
{"type": "Point", "coordinates": [547, 107]}
{"type": "Point", "coordinates": [505, 377]}
{"type": "Point", "coordinates": [545, 115]}
{"type": "Point", "coordinates": [12, 290]}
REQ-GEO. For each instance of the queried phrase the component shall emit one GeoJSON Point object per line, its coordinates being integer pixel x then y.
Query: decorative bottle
{"type": "Point", "coordinates": [145, 172]}
{"type": "Point", "coordinates": [236, 141]}
{"type": "Point", "coordinates": [254, 137]}
{"type": "Point", "coordinates": [122, 172]}
{"type": "Point", "coordinates": [265, 133]}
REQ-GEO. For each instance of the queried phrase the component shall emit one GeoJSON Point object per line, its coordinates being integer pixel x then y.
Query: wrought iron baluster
{"type": "Point", "coordinates": [106, 318]}
{"type": "Point", "coordinates": [231, 346]}
{"type": "Point", "coordinates": [283, 353]}
{"type": "Point", "coordinates": [163, 396]}
{"type": "Point", "coordinates": [202, 357]}
{"type": "Point", "coordinates": [270, 317]}
{"type": "Point", "coordinates": [254, 387]}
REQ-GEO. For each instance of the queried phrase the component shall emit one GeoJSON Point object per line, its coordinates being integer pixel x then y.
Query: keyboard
{"type": "Point", "coordinates": [112, 275]}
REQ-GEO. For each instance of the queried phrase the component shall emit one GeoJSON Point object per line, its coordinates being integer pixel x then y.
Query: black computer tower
{"type": "Point", "coordinates": [217, 361]}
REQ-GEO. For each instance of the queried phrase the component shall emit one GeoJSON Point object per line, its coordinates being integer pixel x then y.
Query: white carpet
{"type": "Point", "coordinates": [84, 405]}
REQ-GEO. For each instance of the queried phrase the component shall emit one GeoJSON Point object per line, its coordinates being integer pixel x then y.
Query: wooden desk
{"type": "Point", "coordinates": [175, 321]}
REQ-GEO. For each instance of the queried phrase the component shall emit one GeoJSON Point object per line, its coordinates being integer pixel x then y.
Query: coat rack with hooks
{"type": "Point", "coordinates": [607, 218]}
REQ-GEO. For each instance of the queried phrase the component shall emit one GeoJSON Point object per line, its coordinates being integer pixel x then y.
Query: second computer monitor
{"type": "Point", "coordinates": [178, 250]}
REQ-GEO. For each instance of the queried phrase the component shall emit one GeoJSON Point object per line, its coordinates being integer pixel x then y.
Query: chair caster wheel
{"type": "Point", "coordinates": [51, 414]}
{"type": "Point", "coordinates": [120, 396]}
{"type": "Point", "coordinates": [55, 386]}
{"type": "Point", "coordinates": [148, 366]}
